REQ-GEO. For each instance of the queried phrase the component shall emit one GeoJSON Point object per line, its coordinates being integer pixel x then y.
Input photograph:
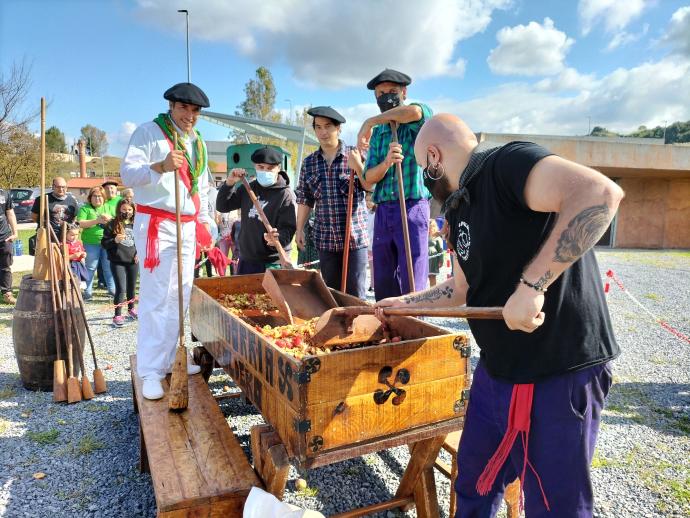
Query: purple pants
{"type": "Point", "coordinates": [564, 423]}
{"type": "Point", "coordinates": [390, 264]}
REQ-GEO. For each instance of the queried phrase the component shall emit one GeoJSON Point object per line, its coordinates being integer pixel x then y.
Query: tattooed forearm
{"type": "Point", "coordinates": [429, 296]}
{"type": "Point", "coordinates": [583, 231]}
{"type": "Point", "coordinates": [543, 280]}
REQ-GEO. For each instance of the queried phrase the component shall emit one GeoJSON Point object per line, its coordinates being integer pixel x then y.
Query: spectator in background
{"type": "Point", "coordinates": [118, 240]}
{"type": "Point", "coordinates": [128, 194]}
{"type": "Point", "coordinates": [111, 196]}
{"type": "Point", "coordinates": [435, 252]}
{"type": "Point", "coordinates": [92, 218]}
{"type": "Point", "coordinates": [8, 233]}
{"type": "Point", "coordinates": [225, 236]}
{"type": "Point", "coordinates": [76, 253]}
{"type": "Point", "coordinates": [62, 206]}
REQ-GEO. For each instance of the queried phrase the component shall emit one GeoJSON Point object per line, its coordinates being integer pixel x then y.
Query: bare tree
{"type": "Point", "coordinates": [14, 87]}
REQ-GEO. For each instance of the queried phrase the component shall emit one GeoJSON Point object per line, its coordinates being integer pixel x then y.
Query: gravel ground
{"type": "Point", "coordinates": [89, 451]}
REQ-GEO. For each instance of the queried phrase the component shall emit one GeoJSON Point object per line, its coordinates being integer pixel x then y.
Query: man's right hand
{"type": "Point", "coordinates": [394, 155]}
{"type": "Point", "coordinates": [235, 176]}
{"type": "Point", "coordinates": [390, 302]}
{"type": "Point", "coordinates": [173, 161]}
{"type": "Point", "coordinates": [300, 239]}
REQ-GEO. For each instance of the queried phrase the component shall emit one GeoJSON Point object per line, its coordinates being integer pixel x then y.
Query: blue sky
{"type": "Point", "coordinates": [523, 66]}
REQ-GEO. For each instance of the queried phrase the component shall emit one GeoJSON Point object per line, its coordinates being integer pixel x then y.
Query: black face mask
{"type": "Point", "coordinates": [388, 101]}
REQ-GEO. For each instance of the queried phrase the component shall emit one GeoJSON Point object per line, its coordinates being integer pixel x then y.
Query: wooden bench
{"type": "Point", "coordinates": [197, 466]}
{"type": "Point", "coordinates": [511, 496]}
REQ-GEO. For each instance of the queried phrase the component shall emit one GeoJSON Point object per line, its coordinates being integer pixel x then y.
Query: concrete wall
{"type": "Point", "coordinates": [654, 214]}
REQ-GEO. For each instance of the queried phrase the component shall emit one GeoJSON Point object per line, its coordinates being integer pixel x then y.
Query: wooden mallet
{"type": "Point", "coordinates": [178, 397]}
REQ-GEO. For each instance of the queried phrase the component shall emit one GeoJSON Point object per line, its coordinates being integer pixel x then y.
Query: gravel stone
{"type": "Point", "coordinates": [641, 466]}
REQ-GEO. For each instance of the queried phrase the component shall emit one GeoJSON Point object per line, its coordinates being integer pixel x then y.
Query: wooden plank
{"type": "Point", "coordinates": [360, 418]}
{"type": "Point", "coordinates": [424, 455]}
{"type": "Point", "coordinates": [425, 498]}
{"type": "Point", "coordinates": [375, 508]}
{"type": "Point", "coordinates": [354, 372]}
{"type": "Point", "coordinates": [194, 458]}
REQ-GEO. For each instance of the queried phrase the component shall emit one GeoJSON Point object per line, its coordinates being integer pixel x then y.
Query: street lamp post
{"type": "Point", "coordinates": [186, 13]}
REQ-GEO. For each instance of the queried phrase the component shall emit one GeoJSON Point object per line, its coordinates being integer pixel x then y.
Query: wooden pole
{"type": "Point", "coordinates": [403, 211]}
{"type": "Point", "coordinates": [178, 398]}
{"type": "Point", "coordinates": [267, 224]}
{"type": "Point", "coordinates": [348, 230]}
{"type": "Point", "coordinates": [59, 369]}
{"type": "Point", "coordinates": [41, 263]}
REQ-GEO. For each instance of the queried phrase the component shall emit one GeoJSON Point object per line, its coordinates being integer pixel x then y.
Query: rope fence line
{"type": "Point", "coordinates": [665, 325]}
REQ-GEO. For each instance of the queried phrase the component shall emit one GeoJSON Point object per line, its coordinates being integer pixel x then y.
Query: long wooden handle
{"type": "Point", "coordinates": [77, 294]}
{"type": "Point", "coordinates": [403, 211]}
{"type": "Point", "coordinates": [262, 215]}
{"type": "Point", "coordinates": [461, 312]}
{"type": "Point", "coordinates": [43, 203]}
{"type": "Point", "coordinates": [348, 230]}
{"type": "Point", "coordinates": [65, 311]}
{"type": "Point", "coordinates": [55, 295]}
{"type": "Point", "coordinates": [178, 225]}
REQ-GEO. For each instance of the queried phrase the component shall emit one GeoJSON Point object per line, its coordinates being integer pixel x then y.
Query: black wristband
{"type": "Point", "coordinates": [533, 286]}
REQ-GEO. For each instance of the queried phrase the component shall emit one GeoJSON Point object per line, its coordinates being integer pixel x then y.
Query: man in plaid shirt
{"type": "Point", "coordinates": [324, 182]}
{"type": "Point", "coordinates": [390, 88]}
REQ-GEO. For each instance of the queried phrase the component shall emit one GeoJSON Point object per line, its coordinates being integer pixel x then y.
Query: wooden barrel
{"type": "Point", "coordinates": [33, 335]}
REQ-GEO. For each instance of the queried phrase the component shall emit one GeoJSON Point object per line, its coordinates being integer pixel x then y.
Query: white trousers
{"type": "Point", "coordinates": [158, 312]}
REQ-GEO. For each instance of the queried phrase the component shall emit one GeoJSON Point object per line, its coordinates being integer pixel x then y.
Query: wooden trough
{"type": "Point", "coordinates": [343, 404]}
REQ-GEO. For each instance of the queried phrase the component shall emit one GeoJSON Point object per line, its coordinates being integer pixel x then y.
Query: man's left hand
{"type": "Point", "coordinates": [522, 311]}
{"type": "Point", "coordinates": [272, 238]}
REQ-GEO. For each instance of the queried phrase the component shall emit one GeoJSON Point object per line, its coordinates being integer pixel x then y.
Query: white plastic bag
{"type": "Point", "coordinates": [261, 504]}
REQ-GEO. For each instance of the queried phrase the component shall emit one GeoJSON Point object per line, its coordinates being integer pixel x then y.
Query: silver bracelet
{"type": "Point", "coordinates": [533, 286]}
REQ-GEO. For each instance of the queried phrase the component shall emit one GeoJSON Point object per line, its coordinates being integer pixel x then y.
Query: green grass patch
{"type": "Point", "coordinates": [680, 491]}
{"type": "Point", "coordinates": [308, 492]}
{"type": "Point", "coordinates": [652, 296]}
{"type": "Point", "coordinates": [95, 407]}
{"type": "Point", "coordinates": [4, 426]}
{"type": "Point", "coordinates": [89, 444]}
{"type": "Point", "coordinates": [47, 437]}
{"type": "Point", "coordinates": [680, 422]}
{"type": "Point", "coordinates": [7, 392]}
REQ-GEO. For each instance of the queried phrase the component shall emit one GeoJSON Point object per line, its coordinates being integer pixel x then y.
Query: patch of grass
{"type": "Point", "coordinates": [7, 392]}
{"type": "Point", "coordinates": [680, 491]}
{"type": "Point", "coordinates": [308, 492]}
{"type": "Point", "coordinates": [681, 422]}
{"type": "Point", "coordinates": [95, 407]}
{"type": "Point", "coordinates": [47, 437]}
{"type": "Point", "coordinates": [89, 444]}
{"type": "Point", "coordinates": [4, 426]}
{"type": "Point", "coordinates": [599, 462]}
{"type": "Point", "coordinates": [352, 471]}
{"type": "Point", "coordinates": [652, 296]}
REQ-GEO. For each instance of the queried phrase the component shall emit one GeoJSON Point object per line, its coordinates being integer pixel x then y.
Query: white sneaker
{"type": "Point", "coordinates": [152, 389]}
{"type": "Point", "coordinates": [191, 368]}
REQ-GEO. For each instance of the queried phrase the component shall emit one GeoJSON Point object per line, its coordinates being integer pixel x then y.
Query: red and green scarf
{"type": "Point", "coordinates": [195, 170]}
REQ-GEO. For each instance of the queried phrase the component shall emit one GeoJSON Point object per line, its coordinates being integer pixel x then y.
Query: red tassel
{"type": "Point", "coordinates": [152, 260]}
{"type": "Point", "coordinates": [218, 260]}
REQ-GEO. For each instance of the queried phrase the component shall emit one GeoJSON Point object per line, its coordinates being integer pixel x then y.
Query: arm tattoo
{"type": "Point", "coordinates": [429, 296]}
{"type": "Point", "coordinates": [583, 231]}
{"type": "Point", "coordinates": [543, 280]}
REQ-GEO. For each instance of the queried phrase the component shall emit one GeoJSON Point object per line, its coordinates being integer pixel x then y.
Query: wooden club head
{"type": "Point", "coordinates": [99, 382]}
{"type": "Point", "coordinates": [178, 398]}
{"type": "Point", "coordinates": [59, 381]}
{"type": "Point", "coordinates": [87, 391]}
{"type": "Point", "coordinates": [73, 390]}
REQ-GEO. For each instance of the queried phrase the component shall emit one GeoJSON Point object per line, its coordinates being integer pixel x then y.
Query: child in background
{"type": "Point", "coordinates": [435, 252]}
{"type": "Point", "coordinates": [76, 253]}
{"type": "Point", "coordinates": [118, 240]}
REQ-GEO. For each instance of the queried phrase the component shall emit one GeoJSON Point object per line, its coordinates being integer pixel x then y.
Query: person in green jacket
{"type": "Point", "coordinates": [92, 218]}
{"type": "Point", "coordinates": [112, 198]}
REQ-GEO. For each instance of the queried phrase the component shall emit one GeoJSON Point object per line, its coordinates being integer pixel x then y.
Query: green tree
{"type": "Point", "coordinates": [55, 140]}
{"type": "Point", "coordinates": [96, 140]}
{"type": "Point", "coordinates": [20, 159]}
{"type": "Point", "coordinates": [260, 97]}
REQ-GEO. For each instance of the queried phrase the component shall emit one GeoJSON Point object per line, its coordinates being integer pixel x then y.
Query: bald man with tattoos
{"type": "Point", "coordinates": [523, 222]}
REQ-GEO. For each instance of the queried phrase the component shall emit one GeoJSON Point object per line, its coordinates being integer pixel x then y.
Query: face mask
{"type": "Point", "coordinates": [388, 101]}
{"type": "Point", "coordinates": [266, 178]}
{"type": "Point", "coordinates": [125, 215]}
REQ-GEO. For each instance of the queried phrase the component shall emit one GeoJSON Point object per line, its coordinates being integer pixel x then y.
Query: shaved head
{"type": "Point", "coordinates": [444, 144]}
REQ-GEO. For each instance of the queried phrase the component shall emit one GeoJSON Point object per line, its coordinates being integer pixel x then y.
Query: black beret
{"type": "Point", "coordinates": [267, 155]}
{"type": "Point", "coordinates": [389, 76]}
{"type": "Point", "coordinates": [328, 112]}
{"type": "Point", "coordinates": [110, 182]}
{"type": "Point", "coordinates": [187, 93]}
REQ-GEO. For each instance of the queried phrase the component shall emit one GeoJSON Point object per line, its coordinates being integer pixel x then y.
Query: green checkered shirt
{"type": "Point", "coordinates": [387, 188]}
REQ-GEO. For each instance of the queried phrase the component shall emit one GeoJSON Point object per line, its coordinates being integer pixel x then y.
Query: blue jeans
{"type": "Point", "coordinates": [94, 255]}
{"type": "Point", "coordinates": [331, 266]}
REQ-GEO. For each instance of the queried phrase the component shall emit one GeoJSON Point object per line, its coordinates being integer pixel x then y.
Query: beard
{"type": "Point", "coordinates": [440, 189]}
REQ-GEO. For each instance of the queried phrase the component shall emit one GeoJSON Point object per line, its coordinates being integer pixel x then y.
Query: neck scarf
{"type": "Point", "coordinates": [195, 170]}
{"type": "Point", "coordinates": [473, 168]}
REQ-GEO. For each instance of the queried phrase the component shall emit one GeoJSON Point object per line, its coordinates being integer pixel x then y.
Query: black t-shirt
{"type": "Point", "coordinates": [5, 205]}
{"type": "Point", "coordinates": [495, 237]}
{"type": "Point", "coordinates": [60, 210]}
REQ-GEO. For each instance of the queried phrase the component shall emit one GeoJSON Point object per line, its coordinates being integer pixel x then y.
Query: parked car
{"type": "Point", "coordinates": [23, 200]}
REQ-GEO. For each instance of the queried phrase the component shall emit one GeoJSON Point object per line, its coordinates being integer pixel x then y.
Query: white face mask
{"type": "Point", "coordinates": [266, 178]}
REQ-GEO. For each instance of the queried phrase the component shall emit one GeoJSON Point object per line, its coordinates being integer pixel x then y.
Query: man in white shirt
{"type": "Point", "coordinates": [148, 166]}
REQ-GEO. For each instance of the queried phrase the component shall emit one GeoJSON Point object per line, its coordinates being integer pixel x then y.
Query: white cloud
{"type": "Point", "coordinates": [624, 38]}
{"type": "Point", "coordinates": [532, 49]}
{"type": "Point", "coordinates": [620, 101]}
{"type": "Point", "coordinates": [118, 140]}
{"type": "Point", "coordinates": [319, 38]}
{"type": "Point", "coordinates": [678, 34]}
{"type": "Point", "coordinates": [568, 79]}
{"type": "Point", "coordinates": [615, 15]}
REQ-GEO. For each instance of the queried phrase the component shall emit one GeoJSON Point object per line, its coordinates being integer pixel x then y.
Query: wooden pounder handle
{"type": "Point", "coordinates": [281, 251]}
{"type": "Point", "coordinates": [491, 313]}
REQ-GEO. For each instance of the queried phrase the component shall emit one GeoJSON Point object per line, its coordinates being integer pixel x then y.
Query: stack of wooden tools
{"type": "Point", "coordinates": [52, 263]}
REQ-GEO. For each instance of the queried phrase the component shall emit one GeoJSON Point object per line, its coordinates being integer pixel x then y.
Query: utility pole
{"type": "Point", "coordinates": [589, 125]}
{"type": "Point", "coordinates": [665, 131]}
{"type": "Point", "coordinates": [189, 73]}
